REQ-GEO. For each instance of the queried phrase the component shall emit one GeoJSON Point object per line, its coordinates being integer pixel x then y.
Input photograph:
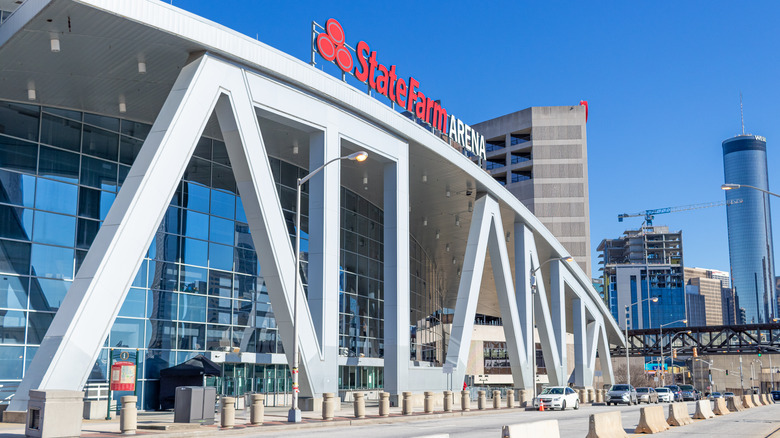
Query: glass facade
{"type": "Point", "coordinates": [200, 287]}
{"type": "Point", "coordinates": [750, 228]}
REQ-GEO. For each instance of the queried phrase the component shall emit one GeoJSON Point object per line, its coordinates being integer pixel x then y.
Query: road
{"type": "Point", "coordinates": [757, 422]}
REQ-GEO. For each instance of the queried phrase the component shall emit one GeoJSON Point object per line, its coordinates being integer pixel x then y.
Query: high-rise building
{"type": "Point", "coordinates": [695, 304]}
{"type": "Point", "coordinates": [750, 227]}
{"type": "Point", "coordinates": [626, 261]}
{"type": "Point", "coordinates": [730, 304]}
{"type": "Point", "coordinates": [708, 283]}
{"type": "Point", "coordinates": [541, 155]}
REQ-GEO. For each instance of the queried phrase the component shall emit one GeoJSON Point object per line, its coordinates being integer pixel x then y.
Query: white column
{"type": "Point", "coordinates": [580, 347]}
{"type": "Point", "coordinates": [524, 245]}
{"type": "Point", "coordinates": [558, 314]}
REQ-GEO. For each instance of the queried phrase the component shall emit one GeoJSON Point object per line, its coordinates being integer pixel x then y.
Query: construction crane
{"type": "Point", "coordinates": [650, 214]}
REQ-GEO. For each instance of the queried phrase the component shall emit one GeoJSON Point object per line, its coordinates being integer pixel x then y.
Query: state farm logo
{"type": "Point", "coordinates": [331, 45]}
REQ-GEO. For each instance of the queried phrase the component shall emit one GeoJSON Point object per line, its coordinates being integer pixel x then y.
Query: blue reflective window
{"type": "Point", "coordinates": [195, 225]}
{"type": "Point", "coordinates": [54, 229]}
{"type": "Point", "coordinates": [39, 323]}
{"type": "Point", "coordinates": [135, 129]}
{"type": "Point", "coordinates": [123, 172]}
{"type": "Point", "coordinates": [192, 308]}
{"type": "Point", "coordinates": [161, 334]}
{"type": "Point", "coordinates": [240, 213]}
{"type": "Point", "coordinates": [195, 197]}
{"type": "Point", "coordinates": [100, 143]}
{"type": "Point", "coordinates": [192, 336]}
{"type": "Point", "coordinates": [134, 304]}
{"type": "Point", "coordinates": [47, 294]}
{"type": "Point", "coordinates": [198, 171]}
{"type": "Point", "coordinates": [129, 149]}
{"type": "Point", "coordinates": [60, 132]}
{"type": "Point", "coordinates": [95, 204]}
{"type": "Point", "coordinates": [11, 363]}
{"type": "Point", "coordinates": [13, 292]}
{"type": "Point", "coordinates": [203, 149]}
{"type": "Point", "coordinates": [220, 310]}
{"type": "Point", "coordinates": [194, 252]}
{"type": "Point", "coordinates": [109, 123]}
{"type": "Point", "coordinates": [86, 232]}
{"type": "Point", "coordinates": [222, 231]}
{"type": "Point", "coordinates": [221, 284]}
{"type": "Point", "coordinates": [98, 173]}
{"type": "Point", "coordinates": [19, 120]}
{"type": "Point", "coordinates": [56, 196]}
{"type": "Point", "coordinates": [52, 262]}
{"type": "Point", "coordinates": [244, 287]}
{"type": "Point", "coordinates": [15, 257]}
{"type": "Point", "coordinates": [15, 223]}
{"type": "Point", "coordinates": [29, 355]}
{"type": "Point", "coordinates": [74, 115]}
{"type": "Point", "coordinates": [220, 257]}
{"type": "Point", "coordinates": [161, 305]}
{"type": "Point", "coordinates": [165, 276]}
{"type": "Point", "coordinates": [246, 261]}
{"type": "Point", "coordinates": [223, 204]}
{"type": "Point", "coordinates": [171, 221]}
{"type": "Point", "coordinates": [140, 276]}
{"type": "Point", "coordinates": [58, 164]}
{"type": "Point", "coordinates": [219, 153]}
{"type": "Point", "coordinates": [193, 279]}
{"type": "Point", "coordinates": [218, 337]}
{"type": "Point", "coordinates": [222, 178]}
{"type": "Point", "coordinates": [127, 333]}
{"type": "Point", "coordinates": [17, 188]}
{"type": "Point", "coordinates": [18, 155]}
{"type": "Point", "coordinates": [12, 324]}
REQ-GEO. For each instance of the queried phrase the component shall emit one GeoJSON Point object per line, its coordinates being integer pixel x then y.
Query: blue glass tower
{"type": "Point", "coordinates": [750, 227]}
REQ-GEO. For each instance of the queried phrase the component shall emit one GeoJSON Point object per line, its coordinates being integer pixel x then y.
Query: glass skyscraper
{"type": "Point", "coordinates": [750, 227]}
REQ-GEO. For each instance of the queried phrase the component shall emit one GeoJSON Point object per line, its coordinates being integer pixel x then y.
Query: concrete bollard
{"type": "Point", "coordinates": [384, 404]}
{"type": "Point", "coordinates": [227, 414]}
{"type": "Point", "coordinates": [481, 400]}
{"type": "Point", "coordinates": [599, 396]}
{"type": "Point", "coordinates": [328, 405]}
{"type": "Point", "coordinates": [703, 410]}
{"type": "Point", "coordinates": [406, 405]}
{"type": "Point", "coordinates": [755, 400]}
{"type": "Point", "coordinates": [678, 415]}
{"type": "Point", "coordinates": [496, 399]}
{"type": "Point", "coordinates": [510, 399]}
{"type": "Point", "coordinates": [591, 395]}
{"type": "Point", "coordinates": [256, 409]}
{"type": "Point", "coordinates": [652, 420]}
{"type": "Point", "coordinates": [128, 415]}
{"type": "Point", "coordinates": [747, 402]}
{"type": "Point", "coordinates": [720, 407]}
{"type": "Point", "coordinates": [581, 393]}
{"type": "Point", "coordinates": [447, 401]}
{"type": "Point", "coordinates": [734, 404]}
{"type": "Point", "coordinates": [359, 403]}
{"type": "Point", "coordinates": [428, 402]}
{"type": "Point", "coordinates": [465, 401]}
{"type": "Point", "coordinates": [544, 428]}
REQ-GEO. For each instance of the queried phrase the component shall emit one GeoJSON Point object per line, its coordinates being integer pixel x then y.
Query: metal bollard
{"type": "Point", "coordinates": [384, 404]}
{"type": "Point", "coordinates": [227, 415]}
{"type": "Point", "coordinates": [447, 401]}
{"type": "Point", "coordinates": [510, 398]}
{"type": "Point", "coordinates": [481, 400]}
{"type": "Point", "coordinates": [328, 405]}
{"type": "Point", "coordinates": [496, 399]}
{"type": "Point", "coordinates": [360, 404]}
{"type": "Point", "coordinates": [406, 405]}
{"type": "Point", "coordinates": [256, 408]}
{"type": "Point", "coordinates": [128, 415]}
{"type": "Point", "coordinates": [465, 401]}
{"type": "Point", "coordinates": [428, 402]}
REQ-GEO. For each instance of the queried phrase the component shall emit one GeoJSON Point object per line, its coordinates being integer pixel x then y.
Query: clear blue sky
{"type": "Point", "coordinates": [662, 80]}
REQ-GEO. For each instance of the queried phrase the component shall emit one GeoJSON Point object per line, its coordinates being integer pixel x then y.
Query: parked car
{"type": "Point", "coordinates": [559, 397]}
{"type": "Point", "coordinates": [646, 395]}
{"type": "Point", "coordinates": [728, 394]}
{"type": "Point", "coordinates": [621, 394]}
{"type": "Point", "coordinates": [715, 395]}
{"type": "Point", "coordinates": [775, 395]}
{"type": "Point", "coordinates": [676, 392]}
{"type": "Point", "coordinates": [689, 393]}
{"type": "Point", "coordinates": [664, 394]}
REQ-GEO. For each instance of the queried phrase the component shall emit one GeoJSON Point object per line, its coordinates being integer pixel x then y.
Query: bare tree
{"type": "Point", "coordinates": [638, 376]}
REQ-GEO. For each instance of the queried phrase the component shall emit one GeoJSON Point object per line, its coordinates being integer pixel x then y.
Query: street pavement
{"type": "Point", "coordinates": [761, 421]}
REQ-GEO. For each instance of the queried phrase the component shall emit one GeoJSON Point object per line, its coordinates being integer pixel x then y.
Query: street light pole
{"type": "Point", "coordinates": [628, 368]}
{"type": "Point", "coordinates": [294, 414]}
{"type": "Point", "coordinates": [661, 327]}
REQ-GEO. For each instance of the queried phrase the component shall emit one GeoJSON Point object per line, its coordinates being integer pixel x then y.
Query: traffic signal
{"type": "Point", "coordinates": [727, 372]}
{"type": "Point", "coordinates": [759, 352]}
{"type": "Point", "coordinates": [695, 352]}
{"type": "Point", "coordinates": [674, 353]}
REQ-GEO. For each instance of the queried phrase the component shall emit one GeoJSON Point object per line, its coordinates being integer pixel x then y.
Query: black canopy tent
{"type": "Point", "coordinates": [189, 373]}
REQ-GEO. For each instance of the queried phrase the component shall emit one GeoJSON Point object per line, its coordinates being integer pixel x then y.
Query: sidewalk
{"type": "Point", "coordinates": [160, 424]}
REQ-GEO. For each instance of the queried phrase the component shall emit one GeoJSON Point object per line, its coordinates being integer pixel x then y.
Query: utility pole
{"type": "Point", "coordinates": [741, 379]}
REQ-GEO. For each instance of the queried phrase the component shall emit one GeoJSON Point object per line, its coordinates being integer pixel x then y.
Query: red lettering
{"type": "Point", "coordinates": [400, 92]}
{"type": "Point", "coordinates": [381, 80]}
{"type": "Point", "coordinates": [419, 108]}
{"type": "Point", "coordinates": [362, 52]}
{"type": "Point", "coordinates": [391, 84]}
{"type": "Point", "coordinates": [428, 109]}
{"type": "Point", "coordinates": [372, 70]}
{"type": "Point", "coordinates": [413, 84]}
{"type": "Point", "coordinates": [439, 118]}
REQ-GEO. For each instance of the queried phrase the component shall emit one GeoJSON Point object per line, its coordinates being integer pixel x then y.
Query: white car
{"type": "Point", "coordinates": [665, 395]}
{"type": "Point", "coordinates": [560, 397]}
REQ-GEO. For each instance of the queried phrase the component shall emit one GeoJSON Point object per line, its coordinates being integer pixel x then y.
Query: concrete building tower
{"type": "Point", "coordinates": [750, 227]}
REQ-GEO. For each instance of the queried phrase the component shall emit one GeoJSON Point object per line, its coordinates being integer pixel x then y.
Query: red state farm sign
{"type": "Point", "coordinates": [331, 45]}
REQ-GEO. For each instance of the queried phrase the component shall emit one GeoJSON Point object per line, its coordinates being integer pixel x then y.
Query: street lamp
{"type": "Point", "coordinates": [294, 415]}
{"type": "Point", "coordinates": [663, 374]}
{"type": "Point", "coordinates": [532, 280]}
{"type": "Point", "coordinates": [628, 371]}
